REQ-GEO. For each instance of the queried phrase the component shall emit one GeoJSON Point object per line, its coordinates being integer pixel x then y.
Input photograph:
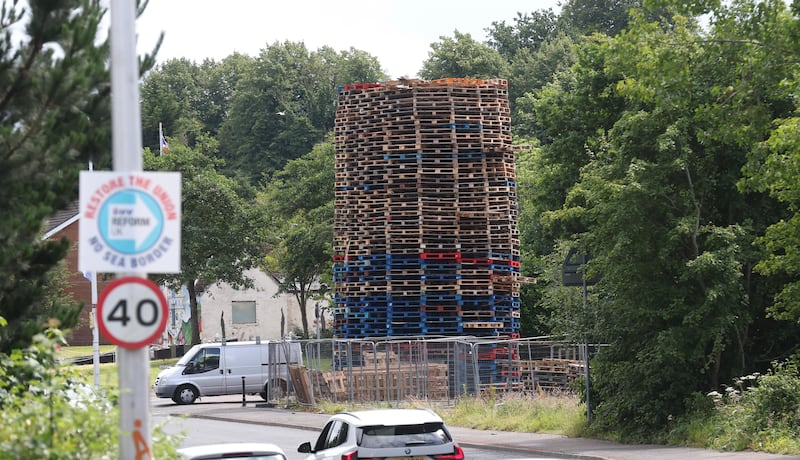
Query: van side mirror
{"type": "Point", "coordinates": [304, 448]}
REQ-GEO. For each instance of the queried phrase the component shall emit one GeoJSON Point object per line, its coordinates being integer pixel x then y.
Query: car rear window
{"type": "Point", "coordinates": [424, 434]}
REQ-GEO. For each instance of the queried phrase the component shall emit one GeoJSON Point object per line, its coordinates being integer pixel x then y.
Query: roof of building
{"type": "Point", "coordinates": [59, 218]}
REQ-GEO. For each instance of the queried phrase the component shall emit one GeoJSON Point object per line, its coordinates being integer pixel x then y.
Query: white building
{"type": "Point", "coordinates": [245, 314]}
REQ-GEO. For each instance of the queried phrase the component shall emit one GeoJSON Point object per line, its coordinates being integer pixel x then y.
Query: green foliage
{"type": "Point", "coordinates": [219, 229]}
{"type": "Point", "coordinates": [607, 17]}
{"type": "Point", "coordinates": [758, 412]}
{"type": "Point", "coordinates": [463, 57]}
{"type": "Point", "coordinates": [285, 104]}
{"type": "Point", "coordinates": [55, 117]}
{"type": "Point", "coordinates": [640, 162]}
{"type": "Point", "coordinates": [48, 411]}
{"type": "Point", "coordinates": [529, 32]}
{"type": "Point", "coordinates": [298, 203]}
{"type": "Point", "coordinates": [262, 111]}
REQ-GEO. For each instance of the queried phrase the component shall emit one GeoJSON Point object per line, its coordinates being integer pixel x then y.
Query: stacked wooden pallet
{"type": "Point", "coordinates": [550, 374]}
{"type": "Point", "coordinates": [366, 383]}
{"type": "Point", "coordinates": [425, 230]}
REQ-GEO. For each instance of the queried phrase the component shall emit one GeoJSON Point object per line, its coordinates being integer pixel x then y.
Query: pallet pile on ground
{"type": "Point", "coordinates": [425, 231]}
{"type": "Point", "coordinates": [551, 374]}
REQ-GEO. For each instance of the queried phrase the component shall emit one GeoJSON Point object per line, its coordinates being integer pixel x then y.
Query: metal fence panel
{"type": "Point", "coordinates": [437, 369]}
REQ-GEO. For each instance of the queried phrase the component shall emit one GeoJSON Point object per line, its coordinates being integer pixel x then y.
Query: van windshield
{"type": "Point", "coordinates": [185, 358]}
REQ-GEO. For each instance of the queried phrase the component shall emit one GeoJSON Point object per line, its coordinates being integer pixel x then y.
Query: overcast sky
{"type": "Point", "coordinates": [398, 33]}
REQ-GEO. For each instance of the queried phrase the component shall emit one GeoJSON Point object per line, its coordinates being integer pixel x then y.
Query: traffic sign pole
{"type": "Point", "coordinates": [126, 128]}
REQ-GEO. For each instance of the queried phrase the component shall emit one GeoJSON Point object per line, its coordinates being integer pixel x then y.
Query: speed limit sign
{"type": "Point", "coordinates": [132, 312]}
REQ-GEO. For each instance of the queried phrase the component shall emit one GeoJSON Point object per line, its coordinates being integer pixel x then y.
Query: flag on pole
{"type": "Point", "coordinates": [163, 146]}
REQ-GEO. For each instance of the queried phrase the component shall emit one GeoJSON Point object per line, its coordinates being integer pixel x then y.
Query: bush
{"type": "Point", "coordinates": [50, 412]}
{"type": "Point", "coordinates": [759, 412]}
{"type": "Point", "coordinates": [775, 400]}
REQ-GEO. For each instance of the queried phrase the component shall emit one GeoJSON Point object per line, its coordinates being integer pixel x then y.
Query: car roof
{"type": "Point", "coordinates": [211, 450]}
{"type": "Point", "coordinates": [375, 417]}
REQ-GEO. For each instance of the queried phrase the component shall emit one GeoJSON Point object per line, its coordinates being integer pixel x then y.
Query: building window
{"type": "Point", "coordinates": [243, 312]}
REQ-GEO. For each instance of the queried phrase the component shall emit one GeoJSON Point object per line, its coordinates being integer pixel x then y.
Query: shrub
{"type": "Point", "coordinates": [50, 412]}
{"type": "Point", "coordinates": [759, 412]}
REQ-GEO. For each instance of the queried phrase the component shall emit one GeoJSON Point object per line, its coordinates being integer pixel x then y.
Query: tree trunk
{"type": "Point", "coordinates": [195, 312]}
{"type": "Point", "coordinates": [301, 301]}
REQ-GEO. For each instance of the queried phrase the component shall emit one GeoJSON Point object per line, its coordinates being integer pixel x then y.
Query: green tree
{"type": "Point", "coordinates": [189, 100]}
{"type": "Point", "coordinates": [655, 202]}
{"type": "Point", "coordinates": [529, 32]}
{"type": "Point", "coordinates": [772, 165]}
{"type": "Point", "coordinates": [167, 94]}
{"type": "Point", "coordinates": [608, 17]}
{"type": "Point", "coordinates": [463, 57]}
{"type": "Point", "coordinates": [38, 391]}
{"type": "Point", "coordinates": [219, 230]}
{"type": "Point", "coordinates": [537, 47]}
{"type": "Point", "coordinates": [54, 118]}
{"type": "Point", "coordinates": [285, 104]}
{"type": "Point", "coordinates": [299, 204]}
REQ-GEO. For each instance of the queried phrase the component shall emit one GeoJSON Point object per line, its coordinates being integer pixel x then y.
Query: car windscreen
{"type": "Point", "coordinates": [423, 434]}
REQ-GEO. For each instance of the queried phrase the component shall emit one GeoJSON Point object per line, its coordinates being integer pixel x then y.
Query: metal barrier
{"type": "Point", "coordinates": [436, 369]}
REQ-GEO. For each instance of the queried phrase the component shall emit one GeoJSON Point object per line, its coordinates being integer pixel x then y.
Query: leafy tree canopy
{"type": "Point", "coordinates": [299, 204]}
{"type": "Point", "coordinates": [54, 119]}
{"type": "Point", "coordinates": [463, 57]}
{"type": "Point", "coordinates": [649, 188]}
{"type": "Point", "coordinates": [219, 230]}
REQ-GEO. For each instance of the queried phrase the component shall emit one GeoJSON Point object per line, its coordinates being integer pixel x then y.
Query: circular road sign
{"type": "Point", "coordinates": [132, 312]}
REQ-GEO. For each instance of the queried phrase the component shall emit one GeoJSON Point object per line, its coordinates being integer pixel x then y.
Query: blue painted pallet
{"type": "Point", "coordinates": [503, 268]}
{"type": "Point", "coordinates": [466, 126]}
{"type": "Point", "coordinates": [444, 330]}
{"type": "Point", "coordinates": [401, 156]}
{"type": "Point", "coordinates": [470, 155]}
{"type": "Point", "coordinates": [375, 298]}
{"type": "Point", "coordinates": [443, 321]}
{"type": "Point", "coordinates": [433, 297]}
{"type": "Point", "coordinates": [432, 265]}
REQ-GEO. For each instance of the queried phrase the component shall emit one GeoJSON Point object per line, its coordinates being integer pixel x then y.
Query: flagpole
{"type": "Point", "coordinates": [160, 137]}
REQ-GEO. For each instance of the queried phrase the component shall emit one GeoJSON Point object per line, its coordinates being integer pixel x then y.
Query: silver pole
{"type": "Point", "coordinates": [95, 333]}
{"type": "Point", "coordinates": [586, 353]}
{"type": "Point", "coordinates": [126, 128]}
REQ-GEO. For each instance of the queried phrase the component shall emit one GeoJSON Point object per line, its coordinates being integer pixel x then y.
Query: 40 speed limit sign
{"type": "Point", "coordinates": [132, 312]}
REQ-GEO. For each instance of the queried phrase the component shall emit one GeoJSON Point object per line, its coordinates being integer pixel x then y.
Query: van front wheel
{"type": "Point", "coordinates": [185, 394]}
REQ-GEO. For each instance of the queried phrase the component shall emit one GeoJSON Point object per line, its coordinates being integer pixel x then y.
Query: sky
{"type": "Point", "coordinates": [398, 33]}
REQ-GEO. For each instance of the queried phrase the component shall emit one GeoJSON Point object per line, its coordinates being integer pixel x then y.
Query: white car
{"type": "Point", "coordinates": [408, 434]}
{"type": "Point", "coordinates": [240, 450]}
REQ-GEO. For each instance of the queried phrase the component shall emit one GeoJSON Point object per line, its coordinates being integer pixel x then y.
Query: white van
{"type": "Point", "coordinates": [213, 369]}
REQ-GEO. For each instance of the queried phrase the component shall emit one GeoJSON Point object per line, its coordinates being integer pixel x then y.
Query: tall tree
{"type": "Point", "coordinates": [285, 104]}
{"type": "Point", "coordinates": [768, 98]}
{"type": "Point", "coordinates": [463, 57]}
{"type": "Point", "coordinates": [54, 118]}
{"type": "Point", "coordinates": [299, 204]}
{"type": "Point", "coordinates": [529, 32]}
{"type": "Point", "coordinates": [167, 95]}
{"type": "Point", "coordinates": [656, 204]}
{"type": "Point", "coordinates": [219, 230]}
{"type": "Point", "coordinates": [607, 17]}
